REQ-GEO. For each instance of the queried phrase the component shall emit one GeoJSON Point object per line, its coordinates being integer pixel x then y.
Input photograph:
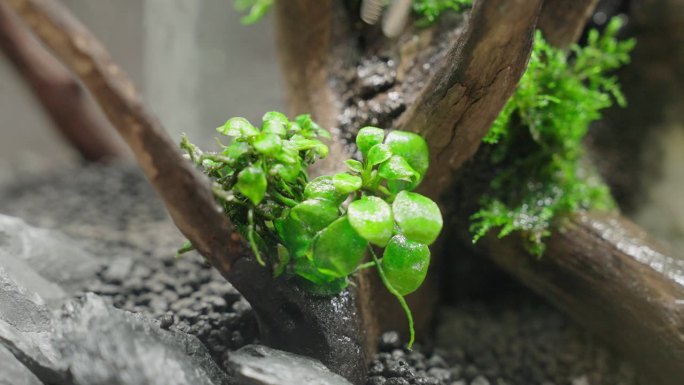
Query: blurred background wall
{"type": "Point", "coordinates": [193, 61]}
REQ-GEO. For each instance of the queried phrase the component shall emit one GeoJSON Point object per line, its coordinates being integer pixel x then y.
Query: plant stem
{"type": "Point", "coordinates": [250, 236]}
{"type": "Point", "coordinates": [400, 298]}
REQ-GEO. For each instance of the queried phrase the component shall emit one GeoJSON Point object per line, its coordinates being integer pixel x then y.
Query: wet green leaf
{"type": "Point", "coordinates": [346, 183]}
{"type": "Point", "coordinates": [294, 235]}
{"type": "Point", "coordinates": [397, 168]}
{"type": "Point", "coordinates": [238, 127]}
{"type": "Point", "coordinates": [411, 147]}
{"type": "Point", "coordinates": [288, 153]}
{"type": "Point", "coordinates": [405, 264]}
{"type": "Point", "coordinates": [275, 116]}
{"type": "Point", "coordinates": [354, 165]}
{"type": "Point", "coordinates": [369, 137]}
{"type": "Point", "coordinates": [288, 172]}
{"type": "Point", "coordinates": [274, 127]}
{"type": "Point", "coordinates": [418, 217]}
{"type": "Point", "coordinates": [372, 218]}
{"type": "Point", "coordinates": [378, 154]}
{"type": "Point", "coordinates": [338, 249]}
{"type": "Point", "coordinates": [236, 150]}
{"type": "Point", "coordinates": [268, 144]}
{"type": "Point", "coordinates": [252, 183]}
{"type": "Point", "coordinates": [323, 188]}
{"type": "Point", "coordinates": [316, 213]}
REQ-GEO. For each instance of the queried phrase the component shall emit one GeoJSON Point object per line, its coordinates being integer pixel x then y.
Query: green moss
{"type": "Point", "coordinates": [537, 139]}
{"type": "Point", "coordinates": [429, 11]}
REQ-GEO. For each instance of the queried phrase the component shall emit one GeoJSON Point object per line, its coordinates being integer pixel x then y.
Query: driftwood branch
{"type": "Point", "coordinates": [65, 101]}
{"type": "Point", "coordinates": [562, 22]}
{"type": "Point", "coordinates": [611, 277]}
{"type": "Point", "coordinates": [478, 74]}
{"type": "Point", "coordinates": [184, 190]}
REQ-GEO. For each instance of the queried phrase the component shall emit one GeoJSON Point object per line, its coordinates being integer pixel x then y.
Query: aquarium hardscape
{"type": "Point", "coordinates": [96, 294]}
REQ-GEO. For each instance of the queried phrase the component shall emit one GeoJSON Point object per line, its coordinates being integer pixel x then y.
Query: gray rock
{"type": "Point", "coordinates": [13, 372]}
{"type": "Point", "coordinates": [118, 270]}
{"type": "Point", "coordinates": [89, 342]}
{"type": "Point", "coordinates": [261, 365]}
{"type": "Point", "coordinates": [52, 255]}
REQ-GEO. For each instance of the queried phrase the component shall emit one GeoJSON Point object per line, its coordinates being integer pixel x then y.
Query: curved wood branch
{"type": "Point", "coordinates": [185, 191]}
{"type": "Point", "coordinates": [67, 104]}
{"type": "Point", "coordinates": [477, 75]}
{"type": "Point", "coordinates": [562, 22]}
{"type": "Point", "coordinates": [611, 277]}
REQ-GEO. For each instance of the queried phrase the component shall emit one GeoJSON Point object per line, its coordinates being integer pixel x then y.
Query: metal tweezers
{"type": "Point", "coordinates": [394, 19]}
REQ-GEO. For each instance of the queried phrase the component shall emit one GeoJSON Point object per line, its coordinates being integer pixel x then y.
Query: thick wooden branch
{"type": "Point", "coordinates": [611, 277]}
{"type": "Point", "coordinates": [477, 75]}
{"type": "Point", "coordinates": [185, 191]}
{"type": "Point", "coordinates": [562, 21]}
{"type": "Point", "coordinates": [65, 101]}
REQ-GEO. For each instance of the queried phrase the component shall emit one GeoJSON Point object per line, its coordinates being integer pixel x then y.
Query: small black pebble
{"type": "Point", "coordinates": [390, 341]}
{"type": "Point", "coordinates": [166, 321]}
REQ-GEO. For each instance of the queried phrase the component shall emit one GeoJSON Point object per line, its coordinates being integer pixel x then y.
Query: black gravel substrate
{"type": "Point", "coordinates": [516, 341]}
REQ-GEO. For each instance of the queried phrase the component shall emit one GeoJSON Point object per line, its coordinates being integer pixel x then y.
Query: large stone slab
{"type": "Point", "coordinates": [50, 254]}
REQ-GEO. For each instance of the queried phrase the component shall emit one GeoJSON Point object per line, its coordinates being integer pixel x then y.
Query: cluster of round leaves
{"type": "Point", "coordinates": [321, 231]}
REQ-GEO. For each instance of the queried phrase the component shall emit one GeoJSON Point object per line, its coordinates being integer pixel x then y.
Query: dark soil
{"type": "Point", "coordinates": [516, 340]}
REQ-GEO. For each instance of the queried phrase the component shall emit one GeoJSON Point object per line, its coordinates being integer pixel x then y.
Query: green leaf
{"type": "Point", "coordinates": [283, 260]}
{"type": "Point", "coordinates": [236, 150]}
{"type": "Point", "coordinates": [372, 218]}
{"type": "Point", "coordinates": [405, 264]}
{"type": "Point", "coordinates": [418, 217]}
{"type": "Point", "coordinates": [252, 183]}
{"type": "Point", "coordinates": [354, 165]}
{"type": "Point", "coordinates": [294, 235]}
{"type": "Point", "coordinates": [268, 144]}
{"type": "Point", "coordinates": [303, 144]}
{"type": "Point", "coordinates": [288, 172]}
{"type": "Point", "coordinates": [274, 127]}
{"type": "Point", "coordinates": [346, 183]}
{"type": "Point", "coordinates": [323, 188]}
{"type": "Point", "coordinates": [315, 213]}
{"type": "Point", "coordinates": [288, 153]}
{"type": "Point", "coordinates": [411, 147]}
{"type": "Point", "coordinates": [238, 127]}
{"type": "Point", "coordinates": [275, 116]}
{"type": "Point", "coordinates": [257, 11]}
{"type": "Point", "coordinates": [397, 168]}
{"type": "Point", "coordinates": [369, 137]}
{"type": "Point", "coordinates": [338, 249]}
{"type": "Point", "coordinates": [378, 154]}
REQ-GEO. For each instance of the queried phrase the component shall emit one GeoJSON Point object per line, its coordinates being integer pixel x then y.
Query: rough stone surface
{"type": "Point", "coordinates": [13, 372]}
{"type": "Point", "coordinates": [260, 365]}
{"type": "Point", "coordinates": [90, 342]}
{"type": "Point", "coordinates": [51, 255]}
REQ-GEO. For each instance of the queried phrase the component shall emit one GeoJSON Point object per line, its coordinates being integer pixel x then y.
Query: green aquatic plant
{"type": "Point", "coordinates": [320, 232]}
{"type": "Point", "coordinates": [537, 139]}
{"type": "Point", "coordinates": [254, 9]}
{"type": "Point", "coordinates": [428, 11]}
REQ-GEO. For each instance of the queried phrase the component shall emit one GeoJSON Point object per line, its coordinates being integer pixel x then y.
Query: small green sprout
{"type": "Point", "coordinates": [537, 139]}
{"type": "Point", "coordinates": [256, 9]}
{"type": "Point", "coordinates": [321, 231]}
{"type": "Point", "coordinates": [429, 11]}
